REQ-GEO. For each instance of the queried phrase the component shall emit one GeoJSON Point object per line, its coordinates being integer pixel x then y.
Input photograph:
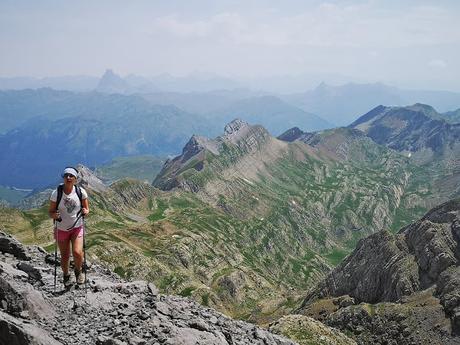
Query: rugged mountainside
{"type": "Point", "coordinates": [416, 129]}
{"type": "Point", "coordinates": [401, 288]}
{"type": "Point", "coordinates": [308, 331]}
{"type": "Point", "coordinates": [425, 136]}
{"type": "Point", "coordinates": [316, 194]}
{"type": "Point", "coordinates": [320, 167]}
{"type": "Point", "coordinates": [109, 311]}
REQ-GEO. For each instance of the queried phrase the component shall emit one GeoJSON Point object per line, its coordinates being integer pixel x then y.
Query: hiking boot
{"type": "Point", "coordinates": [80, 277]}
{"type": "Point", "coordinates": [67, 281]}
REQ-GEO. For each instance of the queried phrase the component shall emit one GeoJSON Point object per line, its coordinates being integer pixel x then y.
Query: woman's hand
{"type": "Point", "coordinates": [84, 211]}
{"type": "Point", "coordinates": [55, 215]}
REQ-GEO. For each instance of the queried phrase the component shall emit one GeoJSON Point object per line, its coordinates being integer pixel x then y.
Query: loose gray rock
{"type": "Point", "coordinates": [33, 272]}
{"type": "Point", "coordinates": [110, 312]}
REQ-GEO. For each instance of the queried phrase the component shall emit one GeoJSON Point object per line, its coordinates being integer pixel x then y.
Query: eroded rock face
{"type": "Point", "coordinates": [107, 311]}
{"type": "Point", "coordinates": [380, 269]}
{"type": "Point", "coordinates": [416, 269]}
{"type": "Point", "coordinates": [386, 267]}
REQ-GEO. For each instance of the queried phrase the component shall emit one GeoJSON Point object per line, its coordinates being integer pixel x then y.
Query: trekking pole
{"type": "Point", "coordinates": [55, 254]}
{"type": "Point", "coordinates": [84, 255]}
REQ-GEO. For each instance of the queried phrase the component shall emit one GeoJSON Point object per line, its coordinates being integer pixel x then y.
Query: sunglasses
{"type": "Point", "coordinates": [68, 175]}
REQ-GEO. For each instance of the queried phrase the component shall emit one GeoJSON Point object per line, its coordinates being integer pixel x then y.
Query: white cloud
{"type": "Point", "coordinates": [324, 25]}
{"type": "Point", "coordinates": [437, 63]}
{"type": "Point", "coordinates": [366, 39]}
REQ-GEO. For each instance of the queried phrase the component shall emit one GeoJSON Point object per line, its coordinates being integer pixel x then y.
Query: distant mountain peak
{"type": "Point", "coordinates": [238, 134]}
{"type": "Point", "coordinates": [109, 72]}
{"type": "Point", "coordinates": [112, 83]}
{"type": "Point", "coordinates": [322, 85]}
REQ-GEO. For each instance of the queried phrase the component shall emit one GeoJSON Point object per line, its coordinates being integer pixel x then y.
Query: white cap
{"type": "Point", "coordinates": [71, 171]}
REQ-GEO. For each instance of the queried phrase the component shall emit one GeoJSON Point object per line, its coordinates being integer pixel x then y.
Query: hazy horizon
{"type": "Point", "coordinates": [412, 45]}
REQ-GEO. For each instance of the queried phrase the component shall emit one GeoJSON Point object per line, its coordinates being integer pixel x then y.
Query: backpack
{"type": "Point", "coordinates": [60, 190]}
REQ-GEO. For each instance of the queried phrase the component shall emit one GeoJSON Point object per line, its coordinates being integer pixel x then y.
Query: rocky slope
{"type": "Point", "coordinates": [107, 311]}
{"type": "Point", "coordinates": [400, 288]}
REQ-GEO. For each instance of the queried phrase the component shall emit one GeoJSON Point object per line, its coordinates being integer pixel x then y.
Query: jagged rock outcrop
{"type": "Point", "coordinates": [398, 265]}
{"type": "Point", "coordinates": [88, 179]}
{"type": "Point", "coordinates": [108, 311]}
{"type": "Point", "coordinates": [197, 144]}
{"type": "Point", "coordinates": [126, 194]}
{"type": "Point", "coordinates": [246, 137]}
{"type": "Point", "coordinates": [292, 134]}
{"type": "Point", "coordinates": [418, 264]}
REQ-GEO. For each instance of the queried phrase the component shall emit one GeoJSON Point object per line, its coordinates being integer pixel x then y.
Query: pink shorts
{"type": "Point", "coordinates": [67, 235]}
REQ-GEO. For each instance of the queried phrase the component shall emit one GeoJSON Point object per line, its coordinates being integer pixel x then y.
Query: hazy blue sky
{"type": "Point", "coordinates": [414, 44]}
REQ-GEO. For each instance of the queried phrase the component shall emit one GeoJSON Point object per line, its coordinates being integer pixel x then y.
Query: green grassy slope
{"type": "Point", "coordinates": [143, 168]}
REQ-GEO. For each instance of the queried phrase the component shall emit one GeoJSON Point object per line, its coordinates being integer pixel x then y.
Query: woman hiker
{"type": "Point", "coordinates": [68, 204]}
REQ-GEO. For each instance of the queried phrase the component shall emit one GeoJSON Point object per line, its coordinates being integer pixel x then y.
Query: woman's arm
{"type": "Point", "coordinates": [85, 207]}
{"type": "Point", "coordinates": [52, 211]}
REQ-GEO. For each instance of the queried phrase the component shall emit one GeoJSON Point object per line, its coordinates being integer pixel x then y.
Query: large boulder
{"type": "Point", "coordinates": [15, 331]}
{"type": "Point", "coordinates": [10, 245]}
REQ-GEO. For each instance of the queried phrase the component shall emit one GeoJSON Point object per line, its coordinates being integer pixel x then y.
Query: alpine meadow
{"type": "Point", "coordinates": [229, 173]}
